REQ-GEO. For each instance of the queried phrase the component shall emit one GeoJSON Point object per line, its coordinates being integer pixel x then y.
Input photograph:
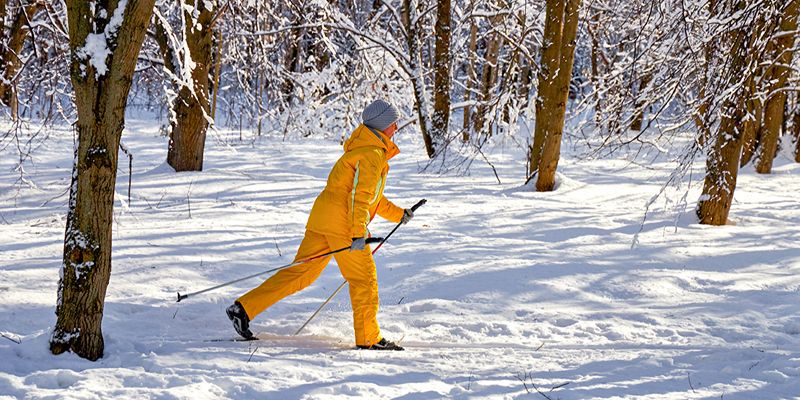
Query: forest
{"type": "Point", "coordinates": [694, 92]}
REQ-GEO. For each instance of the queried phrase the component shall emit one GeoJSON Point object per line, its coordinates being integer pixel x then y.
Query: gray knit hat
{"type": "Point", "coordinates": [379, 115]}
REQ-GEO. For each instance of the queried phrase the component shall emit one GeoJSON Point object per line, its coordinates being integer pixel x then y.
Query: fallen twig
{"type": "Point", "coordinates": [251, 354]}
{"type": "Point", "coordinates": [17, 340]}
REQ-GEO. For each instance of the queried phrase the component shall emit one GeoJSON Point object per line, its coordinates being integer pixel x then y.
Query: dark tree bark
{"type": "Point", "coordinates": [488, 75]}
{"type": "Point", "coordinates": [471, 76]}
{"type": "Point", "coordinates": [700, 117]}
{"type": "Point", "coordinates": [778, 77]}
{"type": "Point", "coordinates": [191, 108]}
{"type": "Point", "coordinates": [796, 131]}
{"type": "Point", "coordinates": [101, 93]}
{"type": "Point", "coordinates": [558, 54]}
{"type": "Point", "coordinates": [441, 72]}
{"type": "Point", "coordinates": [722, 164]}
{"type": "Point", "coordinates": [751, 130]}
{"type": "Point", "coordinates": [10, 49]}
{"type": "Point", "coordinates": [413, 30]}
{"type": "Point", "coordinates": [641, 103]}
{"type": "Point", "coordinates": [3, 13]}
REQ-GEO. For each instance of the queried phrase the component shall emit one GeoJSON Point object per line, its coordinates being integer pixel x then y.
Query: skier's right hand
{"type": "Point", "coordinates": [358, 244]}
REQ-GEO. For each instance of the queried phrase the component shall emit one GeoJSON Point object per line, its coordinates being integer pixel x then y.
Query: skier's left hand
{"type": "Point", "coordinates": [407, 215]}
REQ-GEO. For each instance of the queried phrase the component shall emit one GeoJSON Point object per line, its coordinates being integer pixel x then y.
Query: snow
{"type": "Point", "coordinates": [495, 290]}
{"type": "Point", "coordinates": [96, 48]}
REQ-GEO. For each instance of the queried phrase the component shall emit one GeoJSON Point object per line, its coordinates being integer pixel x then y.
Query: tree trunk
{"type": "Point", "coordinates": [560, 29]}
{"type": "Point", "coordinates": [751, 126]}
{"type": "Point", "coordinates": [778, 78]}
{"type": "Point", "coordinates": [700, 116]}
{"type": "Point", "coordinates": [191, 108]}
{"type": "Point", "coordinates": [523, 89]}
{"type": "Point", "coordinates": [796, 129]}
{"type": "Point", "coordinates": [417, 75]}
{"type": "Point", "coordinates": [10, 50]}
{"type": "Point", "coordinates": [441, 72]}
{"type": "Point", "coordinates": [641, 103]}
{"type": "Point", "coordinates": [101, 93]}
{"type": "Point", "coordinates": [550, 61]}
{"type": "Point", "coordinates": [592, 27]}
{"type": "Point", "coordinates": [471, 76]}
{"type": "Point", "coordinates": [217, 72]}
{"type": "Point", "coordinates": [488, 76]}
{"type": "Point", "coordinates": [722, 164]}
{"type": "Point", "coordinates": [2, 25]}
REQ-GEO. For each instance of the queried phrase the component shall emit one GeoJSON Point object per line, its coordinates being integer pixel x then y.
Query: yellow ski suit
{"type": "Point", "coordinates": [351, 198]}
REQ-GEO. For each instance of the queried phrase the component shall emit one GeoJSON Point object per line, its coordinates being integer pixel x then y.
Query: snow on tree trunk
{"type": "Point", "coordinates": [751, 126]}
{"type": "Point", "coordinates": [191, 110]}
{"type": "Point", "coordinates": [489, 74]}
{"type": "Point", "coordinates": [417, 73]}
{"type": "Point", "coordinates": [778, 77]}
{"type": "Point", "coordinates": [558, 52]}
{"type": "Point", "coordinates": [641, 104]}
{"type": "Point", "coordinates": [722, 163]}
{"type": "Point", "coordinates": [700, 116]}
{"type": "Point", "coordinates": [105, 38]}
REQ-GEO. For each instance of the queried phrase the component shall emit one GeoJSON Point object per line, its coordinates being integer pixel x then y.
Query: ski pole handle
{"type": "Point", "coordinates": [418, 205]}
{"type": "Point", "coordinates": [372, 240]}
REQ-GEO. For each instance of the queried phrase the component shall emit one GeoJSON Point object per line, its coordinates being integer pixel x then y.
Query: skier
{"type": "Point", "coordinates": [339, 218]}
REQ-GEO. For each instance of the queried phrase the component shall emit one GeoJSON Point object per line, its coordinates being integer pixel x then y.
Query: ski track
{"type": "Point", "coordinates": [495, 290]}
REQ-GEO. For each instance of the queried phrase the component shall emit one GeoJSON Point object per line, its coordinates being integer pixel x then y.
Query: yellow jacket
{"type": "Point", "coordinates": [354, 192]}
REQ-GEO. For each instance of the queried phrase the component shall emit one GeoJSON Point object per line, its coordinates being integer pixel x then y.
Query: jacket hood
{"type": "Point", "coordinates": [363, 137]}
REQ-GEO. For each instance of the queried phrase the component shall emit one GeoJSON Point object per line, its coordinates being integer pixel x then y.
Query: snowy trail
{"type": "Point", "coordinates": [492, 288]}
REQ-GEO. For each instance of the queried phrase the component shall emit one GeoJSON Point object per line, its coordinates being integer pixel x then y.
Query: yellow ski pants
{"type": "Point", "coordinates": [357, 267]}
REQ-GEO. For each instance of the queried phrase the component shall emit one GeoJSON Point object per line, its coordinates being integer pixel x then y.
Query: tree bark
{"type": "Point", "coordinates": [700, 117]}
{"type": "Point", "coordinates": [796, 129]}
{"type": "Point", "coordinates": [471, 77]}
{"type": "Point", "coordinates": [778, 75]}
{"type": "Point", "coordinates": [561, 25]}
{"type": "Point", "coordinates": [191, 108]}
{"type": "Point", "coordinates": [488, 76]}
{"type": "Point", "coordinates": [217, 72]}
{"type": "Point", "coordinates": [417, 77]}
{"type": "Point", "coordinates": [641, 103]}
{"type": "Point", "coordinates": [441, 72]}
{"type": "Point", "coordinates": [722, 164]}
{"type": "Point", "coordinates": [10, 50]}
{"type": "Point", "coordinates": [550, 61]}
{"type": "Point", "coordinates": [3, 12]}
{"type": "Point", "coordinates": [751, 130]}
{"type": "Point", "coordinates": [101, 93]}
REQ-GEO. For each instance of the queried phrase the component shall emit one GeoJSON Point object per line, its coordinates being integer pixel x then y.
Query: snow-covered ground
{"type": "Point", "coordinates": [495, 290]}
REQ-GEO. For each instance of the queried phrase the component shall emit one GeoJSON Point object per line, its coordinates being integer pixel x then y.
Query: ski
{"type": "Point", "coordinates": [232, 339]}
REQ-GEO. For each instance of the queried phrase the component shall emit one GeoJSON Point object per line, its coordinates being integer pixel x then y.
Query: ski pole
{"type": "Point", "coordinates": [339, 289]}
{"type": "Point", "coordinates": [292, 264]}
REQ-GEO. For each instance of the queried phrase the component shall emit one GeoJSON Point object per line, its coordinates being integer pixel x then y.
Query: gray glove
{"type": "Point", "coordinates": [358, 244]}
{"type": "Point", "coordinates": [407, 215]}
